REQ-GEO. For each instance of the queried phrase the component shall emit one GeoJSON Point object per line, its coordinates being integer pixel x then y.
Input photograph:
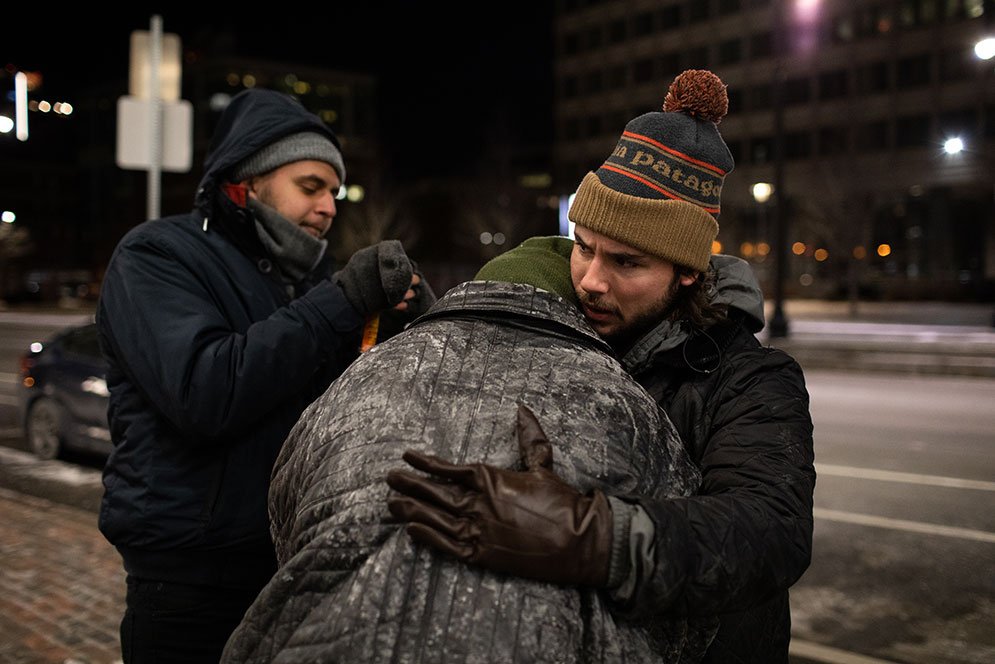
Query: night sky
{"type": "Point", "coordinates": [455, 65]}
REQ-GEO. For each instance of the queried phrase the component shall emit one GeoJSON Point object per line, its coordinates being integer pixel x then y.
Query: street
{"type": "Point", "coordinates": [905, 519]}
{"type": "Point", "coordinates": [904, 528]}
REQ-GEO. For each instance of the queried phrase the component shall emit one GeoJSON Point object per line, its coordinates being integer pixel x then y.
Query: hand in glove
{"type": "Point", "coordinates": [530, 523]}
{"type": "Point", "coordinates": [377, 278]}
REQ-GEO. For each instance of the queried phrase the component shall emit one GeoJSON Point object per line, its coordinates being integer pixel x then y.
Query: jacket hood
{"type": "Point", "coordinates": [253, 120]}
{"type": "Point", "coordinates": [735, 286]}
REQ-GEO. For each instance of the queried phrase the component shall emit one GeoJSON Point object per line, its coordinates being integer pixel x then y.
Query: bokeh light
{"type": "Point", "coordinates": [985, 49]}
{"type": "Point", "coordinates": [762, 191]}
{"type": "Point", "coordinates": [355, 193]}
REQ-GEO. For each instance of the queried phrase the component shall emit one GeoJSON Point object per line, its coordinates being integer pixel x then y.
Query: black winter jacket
{"type": "Point", "coordinates": [352, 586]}
{"type": "Point", "coordinates": [212, 359]}
{"type": "Point", "coordinates": [743, 413]}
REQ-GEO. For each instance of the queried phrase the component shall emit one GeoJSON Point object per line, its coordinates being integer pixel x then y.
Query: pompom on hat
{"type": "Point", "coordinates": [659, 191]}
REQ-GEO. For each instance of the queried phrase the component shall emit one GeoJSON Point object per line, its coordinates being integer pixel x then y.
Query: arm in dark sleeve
{"type": "Point", "coordinates": [748, 533]}
{"type": "Point", "coordinates": [161, 318]}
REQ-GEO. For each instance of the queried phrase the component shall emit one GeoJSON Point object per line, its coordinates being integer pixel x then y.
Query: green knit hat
{"type": "Point", "coordinates": [659, 190]}
{"type": "Point", "coordinates": [543, 262]}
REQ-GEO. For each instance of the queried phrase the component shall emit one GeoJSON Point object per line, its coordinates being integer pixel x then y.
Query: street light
{"type": "Point", "coordinates": [953, 145]}
{"type": "Point", "coordinates": [985, 49]}
{"type": "Point", "coordinates": [802, 25]}
{"type": "Point", "coordinates": [762, 191]}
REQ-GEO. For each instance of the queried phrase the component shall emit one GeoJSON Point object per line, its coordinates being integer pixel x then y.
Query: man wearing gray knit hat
{"type": "Point", "coordinates": [219, 327]}
{"type": "Point", "coordinates": [682, 322]}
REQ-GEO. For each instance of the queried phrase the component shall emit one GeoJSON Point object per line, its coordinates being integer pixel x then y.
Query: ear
{"type": "Point", "coordinates": [688, 278]}
{"type": "Point", "coordinates": [250, 187]}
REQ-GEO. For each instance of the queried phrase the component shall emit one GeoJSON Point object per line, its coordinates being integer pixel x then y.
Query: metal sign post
{"type": "Point", "coordinates": [155, 119]}
{"type": "Point", "coordinates": [154, 126]}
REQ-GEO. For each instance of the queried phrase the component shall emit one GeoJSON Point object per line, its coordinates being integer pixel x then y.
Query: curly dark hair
{"type": "Point", "coordinates": [693, 304]}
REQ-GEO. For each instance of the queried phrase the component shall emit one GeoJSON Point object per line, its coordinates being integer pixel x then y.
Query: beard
{"type": "Point", "coordinates": [630, 329]}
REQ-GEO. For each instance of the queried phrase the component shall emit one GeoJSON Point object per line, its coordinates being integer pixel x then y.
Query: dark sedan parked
{"type": "Point", "coordinates": [64, 394]}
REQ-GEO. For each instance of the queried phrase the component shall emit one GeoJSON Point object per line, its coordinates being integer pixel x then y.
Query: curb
{"type": "Point", "coordinates": [895, 358]}
{"type": "Point", "coordinates": [57, 481]}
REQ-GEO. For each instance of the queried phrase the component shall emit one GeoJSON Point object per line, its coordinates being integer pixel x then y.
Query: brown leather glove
{"type": "Point", "coordinates": [530, 523]}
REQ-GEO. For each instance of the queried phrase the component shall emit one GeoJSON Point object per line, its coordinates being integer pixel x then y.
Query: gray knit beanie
{"type": "Point", "coordinates": [295, 147]}
{"type": "Point", "coordinates": [659, 190]}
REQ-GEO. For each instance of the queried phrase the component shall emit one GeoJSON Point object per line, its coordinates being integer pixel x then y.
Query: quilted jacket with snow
{"type": "Point", "coordinates": [352, 586]}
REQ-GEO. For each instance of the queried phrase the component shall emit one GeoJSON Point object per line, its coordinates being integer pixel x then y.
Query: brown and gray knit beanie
{"type": "Point", "coordinates": [305, 145]}
{"type": "Point", "coordinates": [659, 190]}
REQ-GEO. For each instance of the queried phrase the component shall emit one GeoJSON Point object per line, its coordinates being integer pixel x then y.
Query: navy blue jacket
{"type": "Point", "coordinates": [212, 360]}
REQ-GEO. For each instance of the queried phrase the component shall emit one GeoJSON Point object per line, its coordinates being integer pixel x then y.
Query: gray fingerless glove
{"type": "Point", "coordinates": [375, 278]}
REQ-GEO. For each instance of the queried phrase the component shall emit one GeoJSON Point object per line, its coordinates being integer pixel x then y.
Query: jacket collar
{"type": "Point", "coordinates": [516, 304]}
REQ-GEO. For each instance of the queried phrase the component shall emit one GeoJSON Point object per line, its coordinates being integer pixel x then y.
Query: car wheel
{"type": "Point", "coordinates": [45, 429]}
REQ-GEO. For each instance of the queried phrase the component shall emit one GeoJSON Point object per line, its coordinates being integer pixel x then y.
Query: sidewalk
{"type": "Point", "coordinates": [940, 338]}
{"type": "Point", "coordinates": [61, 585]}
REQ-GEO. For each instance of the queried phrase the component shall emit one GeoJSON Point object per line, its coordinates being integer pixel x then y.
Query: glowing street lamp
{"type": "Point", "coordinates": [985, 49]}
{"type": "Point", "coordinates": [762, 191]}
{"type": "Point", "coordinates": [953, 145]}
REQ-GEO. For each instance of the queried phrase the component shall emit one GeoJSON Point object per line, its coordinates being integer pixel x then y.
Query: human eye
{"type": "Point", "coordinates": [309, 186]}
{"type": "Point", "coordinates": [628, 262]}
{"type": "Point", "coordinates": [581, 247]}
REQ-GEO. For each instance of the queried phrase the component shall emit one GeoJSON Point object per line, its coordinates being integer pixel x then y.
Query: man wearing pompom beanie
{"type": "Point", "coordinates": [682, 323]}
{"type": "Point", "coordinates": [219, 327]}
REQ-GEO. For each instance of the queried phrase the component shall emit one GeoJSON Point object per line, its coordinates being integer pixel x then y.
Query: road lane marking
{"type": "Point", "coordinates": [902, 524]}
{"type": "Point", "coordinates": [906, 478]}
{"type": "Point", "coordinates": [821, 653]}
{"type": "Point", "coordinates": [12, 378]}
{"type": "Point", "coordinates": [9, 401]}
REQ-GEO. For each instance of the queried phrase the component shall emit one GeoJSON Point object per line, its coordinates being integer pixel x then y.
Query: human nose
{"type": "Point", "coordinates": [595, 280]}
{"type": "Point", "coordinates": [326, 205]}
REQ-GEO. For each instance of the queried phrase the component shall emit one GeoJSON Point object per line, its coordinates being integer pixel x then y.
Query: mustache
{"type": "Point", "coordinates": [597, 302]}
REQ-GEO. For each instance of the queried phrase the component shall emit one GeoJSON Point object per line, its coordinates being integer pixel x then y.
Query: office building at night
{"type": "Point", "coordinates": [887, 118]}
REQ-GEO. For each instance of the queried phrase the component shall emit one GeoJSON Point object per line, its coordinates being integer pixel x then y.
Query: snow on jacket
{"type": "Point", "coordinates": [742, 411]}
{"type": "Point", "coordinates": [352, 586]}
{"type": "Point", "coordinates": [212, 359]}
